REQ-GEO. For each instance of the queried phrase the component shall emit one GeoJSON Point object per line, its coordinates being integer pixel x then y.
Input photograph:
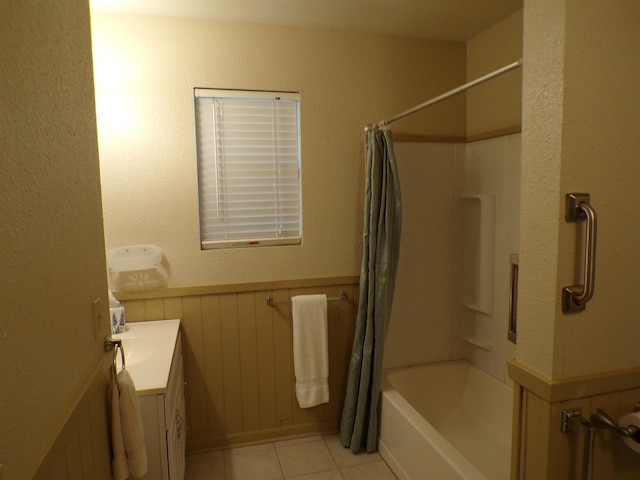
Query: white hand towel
{"type": "Point", "coordinates": [310, 349]}
{"type": "Point", "coordinates": [119, 466]}
{"type": "Point", "coordinates": [132, 431]}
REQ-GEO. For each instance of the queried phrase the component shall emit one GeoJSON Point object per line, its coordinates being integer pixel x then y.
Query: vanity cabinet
{"type": "Point", "coordinates": [175, 420]}
{"type": "Point", "coordinates": [164, 422]}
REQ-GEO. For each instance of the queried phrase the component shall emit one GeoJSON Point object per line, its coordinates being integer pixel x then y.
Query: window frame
{"type": "Point", "coordinates": [285, 200]}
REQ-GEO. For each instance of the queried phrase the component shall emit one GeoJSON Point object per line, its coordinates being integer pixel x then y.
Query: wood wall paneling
{"type": "Point", "coordinates": [211, 414]}
{"type": "Point", "coordinates": [82, 447]}
{"type": "Point", "coordinates": [248, 360]}
{"type": "Point", "coordinates": [265, 351]}
{"type": "Point", "coordinates": [239, 359]}
{"type": "Point", "coordinates": [194, 367]}
{"type": "Point", "coordinates": [546, 452]}
{"type": "Point", "coordinates": [232, 374]}
{"type": "Point", "coordinates": [239, 370]}
{"type": "Point", "coordinates": [282, 338]}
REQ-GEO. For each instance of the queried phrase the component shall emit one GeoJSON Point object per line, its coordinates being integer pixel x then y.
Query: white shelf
{"type": "Point", "coordinates": [478, 342]}
{"type": "Point", "coordinates": [471, 305]}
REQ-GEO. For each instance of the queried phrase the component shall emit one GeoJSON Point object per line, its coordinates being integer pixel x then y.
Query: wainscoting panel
{"type": "Point", "coordinates": [82, 449]}
{"type": "Point", "coordinates": [541, 450]}
{"type": "Point", "coordinates": [239, 359]}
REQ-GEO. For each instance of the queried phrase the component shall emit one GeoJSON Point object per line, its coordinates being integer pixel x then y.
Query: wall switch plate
{"type": "Point", "coordinates": [98, 318]}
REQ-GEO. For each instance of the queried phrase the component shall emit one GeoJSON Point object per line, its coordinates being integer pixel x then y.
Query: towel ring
{"type": "Point", "coordinates": [115, 345]}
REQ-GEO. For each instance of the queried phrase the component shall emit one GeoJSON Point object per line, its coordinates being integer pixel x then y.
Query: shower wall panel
{"type": "Point", "coordinates": [420, 329]}
{"type": "Point", "coordinates": [460, 218]}
{"type": "Point", "coordinates": [487, 228]}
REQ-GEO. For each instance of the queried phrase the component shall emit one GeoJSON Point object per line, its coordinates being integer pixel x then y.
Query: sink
{"type": "Point", "coordinates": [148, 349]}
{"type": "Point", "coordinates": [137, 349]}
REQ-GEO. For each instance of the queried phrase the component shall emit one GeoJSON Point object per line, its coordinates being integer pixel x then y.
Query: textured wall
{"type": "Point", "coordinates": [540, 200]}
{"type": "Point", "coordinates": [600, 155]}
{"type": "Point", "coordinates": [51, 245]}
{"type": "Point", "coordinates": [496, 104]}
{"type": "Point", "coordinates": [146, 68]}
{"type": "Point", "coordinates": [580, 118]}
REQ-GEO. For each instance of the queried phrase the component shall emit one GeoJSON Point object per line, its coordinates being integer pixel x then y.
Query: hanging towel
{"type": "Point", "coordinates": [132, 431]}
{"type": "Point", "coordinates": [119, 466]}
{"type": "Point", "coordinates": [310, 349]}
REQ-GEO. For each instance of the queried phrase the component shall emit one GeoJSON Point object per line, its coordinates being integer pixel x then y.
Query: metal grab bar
{"type": "Point", "coordinates": [575, 298]}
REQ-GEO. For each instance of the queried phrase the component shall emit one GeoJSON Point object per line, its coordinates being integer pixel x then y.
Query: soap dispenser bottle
{"type": "Point", "coordinates": [116, 315]}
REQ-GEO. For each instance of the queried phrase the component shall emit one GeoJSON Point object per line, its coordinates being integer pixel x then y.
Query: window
{"type": "Point", "coordinates": [248, 146]}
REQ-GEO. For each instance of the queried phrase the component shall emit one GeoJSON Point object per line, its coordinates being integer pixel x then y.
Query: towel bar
{"type": "Point", "coordinates": [272, 303]}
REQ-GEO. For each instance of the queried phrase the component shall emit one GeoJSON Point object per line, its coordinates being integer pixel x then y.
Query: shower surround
{"type": "Point", "coordinates": [461, 205]}
{"type": "Point", "coordinates": [460, 227]}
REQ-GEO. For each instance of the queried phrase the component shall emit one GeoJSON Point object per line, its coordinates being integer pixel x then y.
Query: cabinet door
{"type": "Point", "coordinates": [152, 412]}
{"type": "Point", "coordinates": [177, 427]}
{"type": "Point", "coordinates": [177, 463]}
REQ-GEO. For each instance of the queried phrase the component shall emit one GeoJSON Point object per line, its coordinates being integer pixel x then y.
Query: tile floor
{"type": "Point", "coordinates": [311, 458]}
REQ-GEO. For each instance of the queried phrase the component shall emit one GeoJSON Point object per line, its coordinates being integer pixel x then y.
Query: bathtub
{"type": "Point", "coordinates": [445, 421]}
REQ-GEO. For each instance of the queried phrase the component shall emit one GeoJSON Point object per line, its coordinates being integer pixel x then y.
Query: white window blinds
{"type": "Point", "coordinates": [248, 147]}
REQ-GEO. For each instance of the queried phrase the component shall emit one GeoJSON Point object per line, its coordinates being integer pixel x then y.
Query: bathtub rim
{"type": "Point", "coordinates": [454, 458]}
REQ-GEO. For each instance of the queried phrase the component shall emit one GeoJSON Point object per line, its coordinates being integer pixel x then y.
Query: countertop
{"type": "Point", "coordinates": [149, 348]}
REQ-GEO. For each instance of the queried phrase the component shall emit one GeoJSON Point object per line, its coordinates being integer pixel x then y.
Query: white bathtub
{"type": "Point", "coordinates": [446, 421]}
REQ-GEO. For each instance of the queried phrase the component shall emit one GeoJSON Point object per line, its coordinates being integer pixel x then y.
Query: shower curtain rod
{"type": "Point", "coordinates": [450, 93]}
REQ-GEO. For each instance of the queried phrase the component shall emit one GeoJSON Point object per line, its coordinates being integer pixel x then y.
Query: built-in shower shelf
{"type": "Point", "coordinates": [472, 305]}
{"type": "Point", "coordinates": [476, 213]}
{"type": "Point", "coordinates": [478, 342]}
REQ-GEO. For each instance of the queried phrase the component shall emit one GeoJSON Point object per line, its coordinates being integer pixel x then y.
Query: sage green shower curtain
{"type": "Point", "coordinates": [381, 245]}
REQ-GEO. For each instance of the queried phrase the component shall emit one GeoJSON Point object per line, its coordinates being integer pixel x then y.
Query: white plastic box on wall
{"type": "Point", "coordinates": [136, 267]}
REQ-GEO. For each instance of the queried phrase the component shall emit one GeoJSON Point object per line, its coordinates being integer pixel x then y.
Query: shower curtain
{"type": "Point", "coordinates": [381, 245]}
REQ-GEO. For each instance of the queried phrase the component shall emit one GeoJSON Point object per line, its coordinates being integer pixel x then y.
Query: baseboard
{"type": "Point", "coordinates": [262, 436]}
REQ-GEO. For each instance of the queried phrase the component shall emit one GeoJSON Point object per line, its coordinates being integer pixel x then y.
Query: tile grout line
{"type": "Point", "coordinates": [279, 461]}
{"type": "Point", "coordinates": [338, 462]}
{"type": "Point", "coordinates": [335, 461]}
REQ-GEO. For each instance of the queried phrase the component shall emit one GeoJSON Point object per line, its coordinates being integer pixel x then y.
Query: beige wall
{"type": "Point", "coordinates": [52, 244]}
{"type": "Point", "coordinates": [146, 68]}
{"type": "Point", "coordinates": [538, 301]}
{"type": "Point", "coordinates": [601, 114]}
{"type": "Point", "coordinates": [495, 105]}
{"type": "Point", "coordinates": [580, 123]}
